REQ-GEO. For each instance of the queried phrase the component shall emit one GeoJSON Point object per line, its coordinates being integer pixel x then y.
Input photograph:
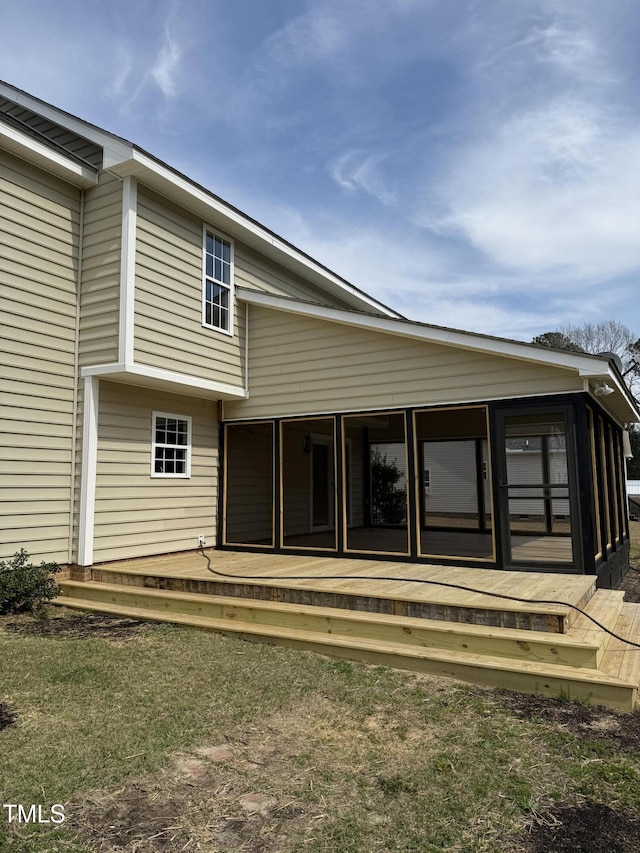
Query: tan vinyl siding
{"type": "Point", "coordinates": [259, 273]}
{"type": "Point", "coordinates": [168, 300]}
{"type": "Point", "coordinates": [137, 515]}
{"type": "Point", "coordinates": [39, 233]}
{"type": "Point", "coordinates": [99, 308]}
{"type": "Point", "coordinates": [300, 365]}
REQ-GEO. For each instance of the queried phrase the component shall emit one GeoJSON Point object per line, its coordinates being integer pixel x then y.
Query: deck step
{"type": "Point", "coordinates": [605, 607]}
{"type": "Point", "coordinates": [551, 648]}
{"type": "Point", "coordinates": [621, 660]}
{"type": "Point", "coordinates": [582, 684]}
{"type": "Point", "coordinates": [374, 595]}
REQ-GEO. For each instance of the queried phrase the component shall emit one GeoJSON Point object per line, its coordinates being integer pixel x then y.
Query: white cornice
{"type": "Point", "coordinates": [28, 148]}
{"type": "Point", "coordinates": [167, 380]}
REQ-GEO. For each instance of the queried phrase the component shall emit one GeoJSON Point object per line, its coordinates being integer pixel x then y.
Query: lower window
{"type": "Point", "coordinates": [171, 450]}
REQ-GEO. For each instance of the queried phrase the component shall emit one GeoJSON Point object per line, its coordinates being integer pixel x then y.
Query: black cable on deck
{"type": "Point", "coordinates": [422, 581]}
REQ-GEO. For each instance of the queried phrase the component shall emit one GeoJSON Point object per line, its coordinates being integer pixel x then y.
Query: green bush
{"type": "Point", "coordinates": [25, 587]}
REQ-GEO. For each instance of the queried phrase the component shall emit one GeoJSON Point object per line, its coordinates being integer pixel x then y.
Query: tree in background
{"type": "Point", "coordinates": [633, 465]}
{"type": "Point", "coordinates": [388, 500]}
{"type": "Point", "coordinates": [556, 340]}
{"type": "Point", "coordinates": [607, 336]}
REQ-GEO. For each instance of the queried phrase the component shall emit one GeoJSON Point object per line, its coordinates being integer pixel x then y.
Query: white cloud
{"type": "Point", "coordinates": [555, 188]}
{"type": "Point", "coordinates": [166, 66]}
{"type": "Point", "coordinates": [140, 68]}
{"type": "Point", "coordinates": [357, 170]}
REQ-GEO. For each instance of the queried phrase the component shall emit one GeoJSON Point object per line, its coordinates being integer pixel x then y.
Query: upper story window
{"type": "Point", "coordinates": [171, 451]}
{"type": "Point", "coordinates": [217, 282]}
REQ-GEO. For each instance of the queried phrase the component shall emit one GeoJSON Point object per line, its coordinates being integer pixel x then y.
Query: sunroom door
{"type": "Point", "coordinates": [537, 489]}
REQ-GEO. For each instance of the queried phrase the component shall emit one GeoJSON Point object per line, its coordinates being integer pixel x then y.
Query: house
{"type": "Point", "coordinates": [173, 370]}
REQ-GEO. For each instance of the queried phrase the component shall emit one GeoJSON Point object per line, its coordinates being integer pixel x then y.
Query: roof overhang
{"type": "Point", "coordinates": [28, 148]}
{"type": "Point", "coordinates": [592, 369]}
{"type": "Point", "coordinates": [165, 380]}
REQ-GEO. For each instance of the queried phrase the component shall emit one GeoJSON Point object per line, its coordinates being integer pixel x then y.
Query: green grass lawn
{"type": "Point", "coordinates": [175, 739]}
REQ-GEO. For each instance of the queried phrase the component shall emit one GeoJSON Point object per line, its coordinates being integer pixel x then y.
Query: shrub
{"type": "Point", "coordinates": [25, 587]}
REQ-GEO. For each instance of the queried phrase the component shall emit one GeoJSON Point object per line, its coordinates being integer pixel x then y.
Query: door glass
{"type": "Point", "coordinates": [249, 485]}
{"type": "Point", "coordinates": [376, 483]}
{"type": "Point", "coordinates": [454, 486]}
{"type": "Point", "coordinates": [536, 496]}
{"type": "Point", "coordinates": [308, 484]}
{"type": "Point", "coordinates": [321, 485]}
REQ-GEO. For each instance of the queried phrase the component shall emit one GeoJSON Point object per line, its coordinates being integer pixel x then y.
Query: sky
{"type": "Point", "coordinates": [470, 163]}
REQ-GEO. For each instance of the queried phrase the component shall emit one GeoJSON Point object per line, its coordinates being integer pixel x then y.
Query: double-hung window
{"type": "Point", "coordinates": [171, 446]}
{"type": "Point", "coordinates": [217, 282]}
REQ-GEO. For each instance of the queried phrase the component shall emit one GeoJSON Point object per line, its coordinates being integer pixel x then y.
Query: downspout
{"type": "Point", "coordinates": [76, 378]}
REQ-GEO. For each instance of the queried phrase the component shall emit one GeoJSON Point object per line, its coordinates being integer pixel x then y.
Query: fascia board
{"type": "Point", "coordinates": [49, 159]}
{"type": "Point", "coordinates": [431, 334]}
{"type": "Point", "coordinates": [153, 377]}
{"type": "Point", "coordinates": [196, 199]}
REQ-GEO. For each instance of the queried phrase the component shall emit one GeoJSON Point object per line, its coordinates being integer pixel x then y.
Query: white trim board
{"type": "Point", "coordinates": [126, 329]}
{"type": "Point", "coordinates": [167, 380]}
{"type": "Point", "coordinates": [22, 145]}
{"type": "Point", "coordinates": [89, 470]}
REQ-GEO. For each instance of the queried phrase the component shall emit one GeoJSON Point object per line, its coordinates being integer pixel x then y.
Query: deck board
{"type": "Point", "coordinates": [286, 569]}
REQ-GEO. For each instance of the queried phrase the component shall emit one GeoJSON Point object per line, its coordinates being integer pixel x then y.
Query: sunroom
{"type": "Point", "coordinates": [533, 484]}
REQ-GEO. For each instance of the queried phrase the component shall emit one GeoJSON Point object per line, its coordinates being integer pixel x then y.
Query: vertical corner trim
{"type": "Point", "coordinates": [89, 469]}
{"type": "Point", "coordinates": [128, 270]}
{"type": "Point", "coordinates": [246, 348]}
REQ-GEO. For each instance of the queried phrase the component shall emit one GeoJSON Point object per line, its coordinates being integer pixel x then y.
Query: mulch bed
{"type": "Point", "coordinates": [588, 828]}
{"type": "Point", "coordinates": [80, 627]}
{"type": "Point", "coordinates": [592, 722]}
{"type": "Point", "coordinates": [8, 717]}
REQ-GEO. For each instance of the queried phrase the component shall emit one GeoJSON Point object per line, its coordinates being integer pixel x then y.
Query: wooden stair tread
{"type": "Point", "coordinates": [582, 587]}
{"type": "Point", "coordinates": [332, 614]}
{"type": "Point", "coordinates": [620, 659]}
{"type": "Point", "coordinates": [605, 607]}
{"type": "Point", "coordinates": [331, 640]}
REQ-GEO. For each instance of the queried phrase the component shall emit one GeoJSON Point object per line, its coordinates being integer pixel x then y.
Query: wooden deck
{"type": "Point", "coordinates": [397, 614]}
{"type": "Point", "coordinates": [366, 585]}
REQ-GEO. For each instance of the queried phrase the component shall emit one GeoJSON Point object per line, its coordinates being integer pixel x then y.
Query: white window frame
{"type": "Point", "coordinates": [207, 229]}
{"type": "Point", "coordinates": [154, 445]}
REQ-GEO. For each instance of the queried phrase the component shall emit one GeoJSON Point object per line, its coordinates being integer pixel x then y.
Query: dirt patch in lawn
{"type": "Point", "coordinates": [199, 803]}
{"type": "Point", "coordinates": [631, 583]}
{"type": "Point", "coordinates": [8, 717]}
{"type": "Point", "coordinates": [587, 828]}
{"type": "Point", "coordinates": [587, 721]}
{"type": "Point", "coordinates": [79, 627]}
